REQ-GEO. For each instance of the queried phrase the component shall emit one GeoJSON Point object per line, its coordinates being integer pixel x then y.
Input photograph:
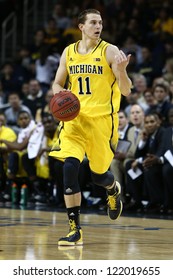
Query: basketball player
{"type": "Point", "coordinates": [96, 72]}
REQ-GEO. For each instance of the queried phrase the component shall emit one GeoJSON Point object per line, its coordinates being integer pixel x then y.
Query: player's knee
{"type": "Point", "coordinates": [70, 176]}
{"type": "Point", "coordinates": [104, 180]}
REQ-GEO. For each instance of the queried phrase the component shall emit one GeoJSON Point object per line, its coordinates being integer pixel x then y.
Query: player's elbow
{"type": "Point", "coordinates": [126, 93]}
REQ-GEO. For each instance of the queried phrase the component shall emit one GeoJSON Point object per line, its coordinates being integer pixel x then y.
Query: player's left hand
{"type": "Point", "coordinates": [122, 61]}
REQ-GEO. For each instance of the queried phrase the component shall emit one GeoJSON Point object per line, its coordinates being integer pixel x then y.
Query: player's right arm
{"type": "Point", "coordinates": [118, 61]}
{"type": "Point", "coordinates": [61, 74]}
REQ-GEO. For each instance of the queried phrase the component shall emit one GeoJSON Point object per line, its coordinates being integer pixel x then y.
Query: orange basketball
{"type": "Point", "coordinates": [64, 106]}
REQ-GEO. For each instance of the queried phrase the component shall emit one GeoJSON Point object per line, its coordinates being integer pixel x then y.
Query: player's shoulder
{"type": "Point", "coordinates": [73, 46]}
{"type": "Point", "coordinates": [112, 49]}
{"type": "Point", "coordinates": [66, 52]}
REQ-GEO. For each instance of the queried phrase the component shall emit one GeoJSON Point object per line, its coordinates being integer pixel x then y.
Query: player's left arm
{"type": "Point", "coordinates": [118, 61]}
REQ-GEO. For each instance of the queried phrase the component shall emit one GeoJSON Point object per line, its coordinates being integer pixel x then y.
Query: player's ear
{"type": "Point", "coordinates": [80, 25]}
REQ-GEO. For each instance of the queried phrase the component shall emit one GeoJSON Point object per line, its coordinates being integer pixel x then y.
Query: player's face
{"type": "Point", "coordinates": [93, 26]}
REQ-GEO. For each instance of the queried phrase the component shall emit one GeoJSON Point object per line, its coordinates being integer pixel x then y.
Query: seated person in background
{"type": "Point", "coordinates": [147, 158]}
{"type": "Point", "coordinates": [9, 135]}
{"type": "Point", "coordinates": [117, 167]}
{"type": "Point", "coordinates": [12, 112]}
{"type": "Point", "coordinates": [140, 85]}
{"type": "Point", "coordinates": [41, 111]}
{"type": "Point", "coordinates": [45, 67]}
{"type": "Point", "coordinates": [53, 33]}
{"type": "Point", "coordinates": [35, 99]}
{"type": "Point", "coordinates": [131, 99]}
{"type": "Point", "coordinates": [150, 100]}
{"type": "Point", "coordinates": [133, 135]}
{"type": "Point", "coordinates": [73, 32]}
{"type": "Point", "coordinates": [3, 98]}
{"type": "Point", "coordinates": [161, 94]}
{"type": "Point", "coordinates": [12, 76]}
{"type": "Point", "coordinates": [41, 177]}
{"type": "Point", "coordinates": [18, 149]}
{"type": "Point", "coordinates": [24, 90]}
{"type": "Point", "coordinates": [37, 42]}
{"type": "Point", "coordinates": [167, 169]}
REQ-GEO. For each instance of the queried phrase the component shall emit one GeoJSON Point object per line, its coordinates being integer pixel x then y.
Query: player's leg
{"type": "Point", "coordinates": [72, 197]}
{"type": "Point", "coordinates": [100, 155]}
{"type": "Point", "coordinates": [71, 146]}
{"type": "Point", "coordinates": [113, 189]}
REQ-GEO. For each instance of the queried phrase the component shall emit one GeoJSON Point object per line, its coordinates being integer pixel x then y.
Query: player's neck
{"type": "Point", "coordinates": [87, 45]}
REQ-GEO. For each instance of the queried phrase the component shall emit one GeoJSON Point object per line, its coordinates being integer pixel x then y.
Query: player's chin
{"type": "Point", "coordinates": [97, 35]}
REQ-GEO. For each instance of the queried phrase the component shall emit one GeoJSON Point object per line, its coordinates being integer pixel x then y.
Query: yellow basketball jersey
{"type": "Point", "coordinates": [92, 80]}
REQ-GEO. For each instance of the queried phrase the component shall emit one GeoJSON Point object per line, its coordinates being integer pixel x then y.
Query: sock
{"type": "Point", "coordinates": [74, 216]}
{"type": "Point", "coordinates": [111, 189]}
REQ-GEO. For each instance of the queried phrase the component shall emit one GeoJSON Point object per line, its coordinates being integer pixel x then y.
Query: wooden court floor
{"type": "Point", "coordinates": [33, 235]}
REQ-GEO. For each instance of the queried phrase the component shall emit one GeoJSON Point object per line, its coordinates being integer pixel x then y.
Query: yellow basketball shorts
{"type": "Point", "coordinates": [94, 137]}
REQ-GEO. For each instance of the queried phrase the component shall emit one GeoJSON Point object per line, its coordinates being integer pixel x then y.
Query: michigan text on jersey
{"type": "Point", "coordinates": [85, 68]}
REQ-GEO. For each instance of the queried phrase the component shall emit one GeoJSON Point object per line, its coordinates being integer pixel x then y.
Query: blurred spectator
{"type": "Point", "coordinates": [160, 80]}
{"type": "Point", "coordinates": [114, 8]}
{"type": "Point", "coordinates": [3, 98]}
{"type": "Point", "coordinates": [137, 119]}
{"type": "Point", "coordinates": [171, 91]}
{"type": "Point", "coordinates": [24, 90]}
{"type": "Point", "coordinates": [134, 135]}
{"type": "Point", "coordinates": [40, 112]}
{"type": "Point", "coordinates": [23, 59]}
{"type": "Point", "coordinates": [150, 100]}
{"type": "Point", "coordinates": [152, 164]}
{"type": "Point", "coordinates": [144, 14]}
{"type": "Point", "coordinates": [72, 32]}
{"type": "Point", "coordinates": [164, 22]}
{"type": "Point", "coordinates": [130, 44]}
{"type": "Point", "coordinates": [131, 99]}
{"type": "Point", "coordinates": [140, 85]}
{"type": "Point", "coordinates": [161, 94]}
{"type": "Point", "coordinates": [12, 77]}
{"type": "Point", "coordinates": [148, 155]}
{"type": "Point", "coordinates": [37, 165]}
{"type": "Point", "coordinates": [168, 70]}
{"type": "Point", "coordinates": [35, 99]}
{"type": "Point", "coordinates": [51, 134]}
{"type": "Point", "coordinates": [133, 29]}
{"type": "Point", "coordinates": [146, 67]}
{"type": "Point", "coordinates": [62, 20]}
{"type": "Point", "coordinates": [168, 47]}
{"type": "Point", "coordinates": [45, 67]}
{"type": "Point", "coordinates": [38, 41]}
{"type": "Point", "coordinates": [53, 33]}
{"type": "Point", "coordinates": [9, 135]}
{"type": "Point", "coordinates": [24, 56]}
{"type": "Point", "coordinates": [167, 170]}
{"type": "Point", "coordinates": [13, 111]}
{"type": "Point", "coordinates": [17, 149]}
{"type": "Point", "coordinates": [118, 27]}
